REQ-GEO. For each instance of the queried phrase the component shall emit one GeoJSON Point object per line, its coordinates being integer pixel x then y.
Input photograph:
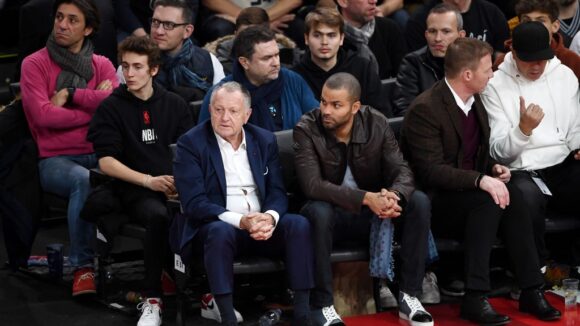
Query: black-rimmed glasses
{"type": "Point", "coordinates": [168, 26]}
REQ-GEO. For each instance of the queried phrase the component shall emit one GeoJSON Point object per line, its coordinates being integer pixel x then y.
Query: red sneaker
{"type": "Point", "coordinates": [167, 284]}
{"type": "Point", "coordinates": [84, 281]}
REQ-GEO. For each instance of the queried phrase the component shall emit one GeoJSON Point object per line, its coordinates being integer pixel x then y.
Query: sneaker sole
{"type": "Point", "coordinates": [84, 292]}
{"type": "Point", "coordinates": [205, 313]}
{"type": "Point", "coordinates": [452, 294]}
{"type": "Point", "coordinates": [415, 323]}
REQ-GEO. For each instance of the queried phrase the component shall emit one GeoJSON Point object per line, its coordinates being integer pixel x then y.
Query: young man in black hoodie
{"type": "Point", "coordinates": [131, 132]}
{"type": "Point", "coordinates": [324, 36]}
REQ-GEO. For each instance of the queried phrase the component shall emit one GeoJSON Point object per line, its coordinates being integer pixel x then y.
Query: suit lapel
{"type": "Point", "coordinates": [451, 108]}
{"type": "Point", "coordinates": [216, 159]}
{"type": "Point", "coordinates": [255, 159]}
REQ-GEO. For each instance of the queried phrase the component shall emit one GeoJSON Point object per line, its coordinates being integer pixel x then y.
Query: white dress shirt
{"type": "Point", "coordinates": [241, 190]}
{"type": "Point", "coordinates": [464, 106]}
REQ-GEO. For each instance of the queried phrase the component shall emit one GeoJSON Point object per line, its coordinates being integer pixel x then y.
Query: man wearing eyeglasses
{"type": "Point", "coordinates": [187, 70]}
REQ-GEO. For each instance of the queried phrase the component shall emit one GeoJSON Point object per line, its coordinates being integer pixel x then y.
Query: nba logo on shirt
{"type": "Point", "coordinates": [147, 134]}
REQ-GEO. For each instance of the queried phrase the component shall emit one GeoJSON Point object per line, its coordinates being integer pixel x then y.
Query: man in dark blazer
{"type": "Point", "coordinates": [445, 137]}
{"type": "Point", "coordinates": [229, 180]}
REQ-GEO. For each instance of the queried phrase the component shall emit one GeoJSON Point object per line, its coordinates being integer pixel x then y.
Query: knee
{"type": "Point", "coordinates": [319, 213]}
{"type": "Point", "coordinates": [420, 205]}
{"type": "Point", "coordinates": [219, 232]}
{"type": "Point", "coordinates": [297, 225]}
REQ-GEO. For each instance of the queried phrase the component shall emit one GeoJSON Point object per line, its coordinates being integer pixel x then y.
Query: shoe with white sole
{"type": "Point", "coordinates": [210, 310]}
{"type": "Point", "coordinates": [326, 316]}
{"type": "Point", "coordinates": [150, 312]}
{"type": "Point", "coordinates": [388, 300]}
{"type": "Point", "coordinates": [430, 293]}
{"type": "Point", "coordinates": [411, 310]}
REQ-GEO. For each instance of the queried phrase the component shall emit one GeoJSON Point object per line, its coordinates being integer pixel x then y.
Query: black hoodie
{"type": "Point", "coordinates": [347, 61]}
{"type": "Point", "coordinates": [138, 133]}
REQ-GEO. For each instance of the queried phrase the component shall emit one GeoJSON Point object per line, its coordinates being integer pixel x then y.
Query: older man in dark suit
{"type": "Point", "coordinates": [229, 180]}
{"type": "Point", "coordinates": [445, 137]}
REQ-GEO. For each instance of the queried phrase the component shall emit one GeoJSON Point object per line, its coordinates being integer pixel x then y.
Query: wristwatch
{"type": "Point", "coordinates": [71, 94]}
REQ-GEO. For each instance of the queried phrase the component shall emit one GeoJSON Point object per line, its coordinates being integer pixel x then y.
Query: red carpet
{"type": "Point", "coordinates": [448, 315]}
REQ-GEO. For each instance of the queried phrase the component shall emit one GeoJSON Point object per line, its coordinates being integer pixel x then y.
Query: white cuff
{"type": "Point", "coordinates": [275, 215]}
{"type": "Point", "coordinates": [232, 218]}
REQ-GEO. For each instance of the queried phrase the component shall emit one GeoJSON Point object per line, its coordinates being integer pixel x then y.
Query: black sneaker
{"type": "Point", "coordinates": [411, 310]}
{"type": "Point", "coordinates": [326, 316]}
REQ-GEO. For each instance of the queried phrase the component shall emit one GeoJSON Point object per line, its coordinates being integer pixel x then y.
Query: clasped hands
{"type": "Point", "coordinates": [259, 225]}
{"type": "Point", "coordinates": [385, 204]}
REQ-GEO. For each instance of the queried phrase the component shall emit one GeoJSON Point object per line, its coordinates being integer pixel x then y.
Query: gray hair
{"type": "Point", "coordinates": [231, 87]}
{"type": "Point", "coordinates": [443, 8]}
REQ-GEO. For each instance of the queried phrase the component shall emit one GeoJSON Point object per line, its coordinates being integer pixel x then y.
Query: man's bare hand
{"type": "Point", "coordinates": [501, 172]}
{"type": "Point", "coordinates": [260, 226]}
{"type": "Point", "coordinates": [59, 98]}
{"type": "Point", "coordinates": [162, 183]}
{"type": "Point", "coordinates": [105, 85]}
{"type": "Point", "coordinates": [530, 117]}
{"type": "Point", "coordinates": [577, 155]}
{"type": "Point", "coordinates": [280, 24]}
{"type": "Point", "coordinates": [496, 189]}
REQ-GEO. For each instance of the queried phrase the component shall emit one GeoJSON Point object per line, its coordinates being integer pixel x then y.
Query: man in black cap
{"type": "Point", "coordinates": [534, 113]}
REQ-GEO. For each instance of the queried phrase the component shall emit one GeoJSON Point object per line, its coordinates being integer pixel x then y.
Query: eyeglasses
{"type": "Point", "coordinates": [168, 26]}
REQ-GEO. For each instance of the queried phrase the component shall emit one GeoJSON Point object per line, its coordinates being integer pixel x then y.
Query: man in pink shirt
{"type": "Point", "coordinates": [62, 85]}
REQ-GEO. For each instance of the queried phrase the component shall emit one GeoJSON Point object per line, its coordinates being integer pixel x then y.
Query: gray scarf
{"type": "Point", "coordinates": [77, 68]}
{"type": "Point", "coordinates": [360, 35]}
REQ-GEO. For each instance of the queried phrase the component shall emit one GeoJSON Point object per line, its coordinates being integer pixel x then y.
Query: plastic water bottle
{"type": "Point", "coordinates": [271, 317]}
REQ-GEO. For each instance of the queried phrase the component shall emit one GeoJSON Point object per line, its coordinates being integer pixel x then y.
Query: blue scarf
{"type": "Point", "coordinates": [176, 70]}
{"type": "Point", "coordinates": [262, 97]}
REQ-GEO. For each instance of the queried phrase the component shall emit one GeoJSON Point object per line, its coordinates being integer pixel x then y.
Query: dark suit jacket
{"type": "Point", "coordinates": [432, 141]}
{"type": "Point", "coordinates": [201, 183]}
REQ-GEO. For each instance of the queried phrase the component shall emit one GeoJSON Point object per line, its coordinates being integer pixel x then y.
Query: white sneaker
{"type": "Point", "coordinates": [210, 310]}
{"type": "Point", "coordinates": [388, 300]}
{"type": "Point", "coordinates": [430, 293]}
{"type": "Point", "coordinates": [326, 316]}
{"type": "Point", "coordinates": [411, 310]}
{"type": "Point", "coordinates": [150, 312]}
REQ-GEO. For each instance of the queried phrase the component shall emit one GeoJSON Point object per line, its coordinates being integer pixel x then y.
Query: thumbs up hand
{"type": "Point", "coordinates": [530, 117]}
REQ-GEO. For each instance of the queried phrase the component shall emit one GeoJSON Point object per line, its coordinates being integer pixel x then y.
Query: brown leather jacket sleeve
{"type": "Point", "coordinates": [310, 178]}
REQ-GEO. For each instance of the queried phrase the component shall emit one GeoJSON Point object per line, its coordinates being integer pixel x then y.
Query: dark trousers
{"type": "Point", "coordinates": [110, 208]}
{"type": "Point", "coordinates": [151, 212]}
{"type": "Point", "coordinates": [562, 180]}
{"type": "Point", "coordinates": [331, 224]}
{"type": "Point", "coordinates": [221, 242]}
{"type": "Point", "coordinates": [473, 216]}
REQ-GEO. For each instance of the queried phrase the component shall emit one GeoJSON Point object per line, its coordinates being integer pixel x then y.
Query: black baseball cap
{"type": "Point", "coordinates": [531, 42]}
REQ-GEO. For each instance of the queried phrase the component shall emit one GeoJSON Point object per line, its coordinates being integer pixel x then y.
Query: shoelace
{"type": "Point", "coordinates": [329, 313]}
{"type": "Point", "coordinates": [146, 309]}
{"type": "Point", "coordinates": [413, 303]}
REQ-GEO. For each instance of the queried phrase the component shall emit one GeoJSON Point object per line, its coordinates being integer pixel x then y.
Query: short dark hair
{"type": "Point", "coordinates": [142, 45]}
{"type": "Point", "coordinates": [444, 8]}
{"type": "Point", "coordinates": [549, 7]}
{"type": "Point", "coordinates": [323, 15]}
{"type": "Point", "coordinates": [344, 80]}
{"type": "Point", "coordinates": [465, 52]}
{"type": "Point", "coordinates": [89, 10]}
{"type": "Point", "coordinates": [246, 40]}
{"type": "Point", "coordinates": [186, 11]}
{"type": "Point", "coordinates": [252, 16]}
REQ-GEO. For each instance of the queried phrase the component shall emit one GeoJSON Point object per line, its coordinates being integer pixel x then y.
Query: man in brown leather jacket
{"type": "Point", "coordinates": [350, 168]}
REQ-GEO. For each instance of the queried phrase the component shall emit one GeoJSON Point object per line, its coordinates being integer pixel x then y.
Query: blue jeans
{"type": "Point", "coordinates": [68, 176]}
